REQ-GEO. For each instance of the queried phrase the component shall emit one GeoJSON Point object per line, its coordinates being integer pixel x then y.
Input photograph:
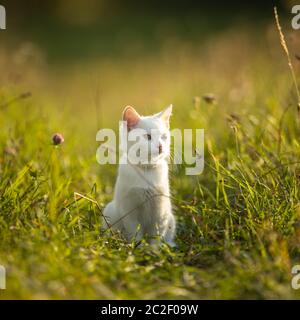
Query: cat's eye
{"type": "Point", "coordinates": [148, 136]}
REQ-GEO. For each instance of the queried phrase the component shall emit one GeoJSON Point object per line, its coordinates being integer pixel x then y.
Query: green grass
{"type": "Point", "coordinates": [238, 223]}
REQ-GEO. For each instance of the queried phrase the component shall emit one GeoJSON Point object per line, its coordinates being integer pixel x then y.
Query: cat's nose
{"type": "Point", "coordinates": [160, 149]}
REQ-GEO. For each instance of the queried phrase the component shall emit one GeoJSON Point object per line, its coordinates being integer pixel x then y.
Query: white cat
{"type": "Point", "coordinates": [141, 205]}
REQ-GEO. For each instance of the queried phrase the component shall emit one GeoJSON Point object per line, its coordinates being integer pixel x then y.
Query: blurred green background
{"type": "Point", "coordinates": [95, 56]}
{"type": "Point", "coordinates": [68, 30]}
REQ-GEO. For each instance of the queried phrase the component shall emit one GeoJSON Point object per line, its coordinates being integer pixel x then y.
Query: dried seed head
{"type": "Point", "coordinates": [25, 95]}
{"type": "Point", "coordinates": [57, 139]}
{"type": "Point", "coordinates": [233, 117]}
{"type": "Point", "coordinates": [209, 98]}
{"type": "Point", "coordinates": [10, 151]}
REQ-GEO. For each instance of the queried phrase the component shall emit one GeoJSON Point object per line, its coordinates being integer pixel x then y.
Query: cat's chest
{"type": "Point", "coordinates": [148, 202]}
{"type": "Point", "coordinates": [147, 193]}
{"type": "Point", "coordinates": [132, 177]}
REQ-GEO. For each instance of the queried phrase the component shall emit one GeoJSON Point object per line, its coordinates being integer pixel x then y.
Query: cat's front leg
{"type": "Point", "coordinates": [133, 230]}
{"type": "Point", "coordinates": [170, 231]}
{"type": "Point", "coordinates": [111, 217]}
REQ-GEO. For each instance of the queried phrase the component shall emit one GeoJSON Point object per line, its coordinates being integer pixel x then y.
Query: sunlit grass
{"type": "Point", "coordinates": [238, 223]}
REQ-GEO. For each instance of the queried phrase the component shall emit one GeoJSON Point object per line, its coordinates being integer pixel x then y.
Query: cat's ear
{"type": "Point", "coordinates": [131, 116]}
{"type": "Point", "coordinates": [166, 114]}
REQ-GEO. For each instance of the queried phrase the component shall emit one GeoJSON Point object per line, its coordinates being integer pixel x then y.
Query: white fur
{"type": "Point", "coordinates": [141, 205]}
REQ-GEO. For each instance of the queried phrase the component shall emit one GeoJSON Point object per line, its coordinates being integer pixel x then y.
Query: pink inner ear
{"type": "Point", "coordinates": [131, 116]}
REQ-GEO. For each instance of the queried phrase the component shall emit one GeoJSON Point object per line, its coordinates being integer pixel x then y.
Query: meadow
{"type": "Point", "coordinates": [238, 230]}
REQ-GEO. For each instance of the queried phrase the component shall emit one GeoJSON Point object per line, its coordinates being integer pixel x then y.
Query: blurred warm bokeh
{"type": "Point", "coordinates": [97, 56]}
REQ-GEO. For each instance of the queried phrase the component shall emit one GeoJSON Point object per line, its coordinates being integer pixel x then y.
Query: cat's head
{"type": "Point", "coordinates": [147, 137]}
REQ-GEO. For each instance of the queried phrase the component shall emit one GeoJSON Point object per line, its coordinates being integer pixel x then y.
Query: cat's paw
{"type": "Point", "coordinates": [171, 244]}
